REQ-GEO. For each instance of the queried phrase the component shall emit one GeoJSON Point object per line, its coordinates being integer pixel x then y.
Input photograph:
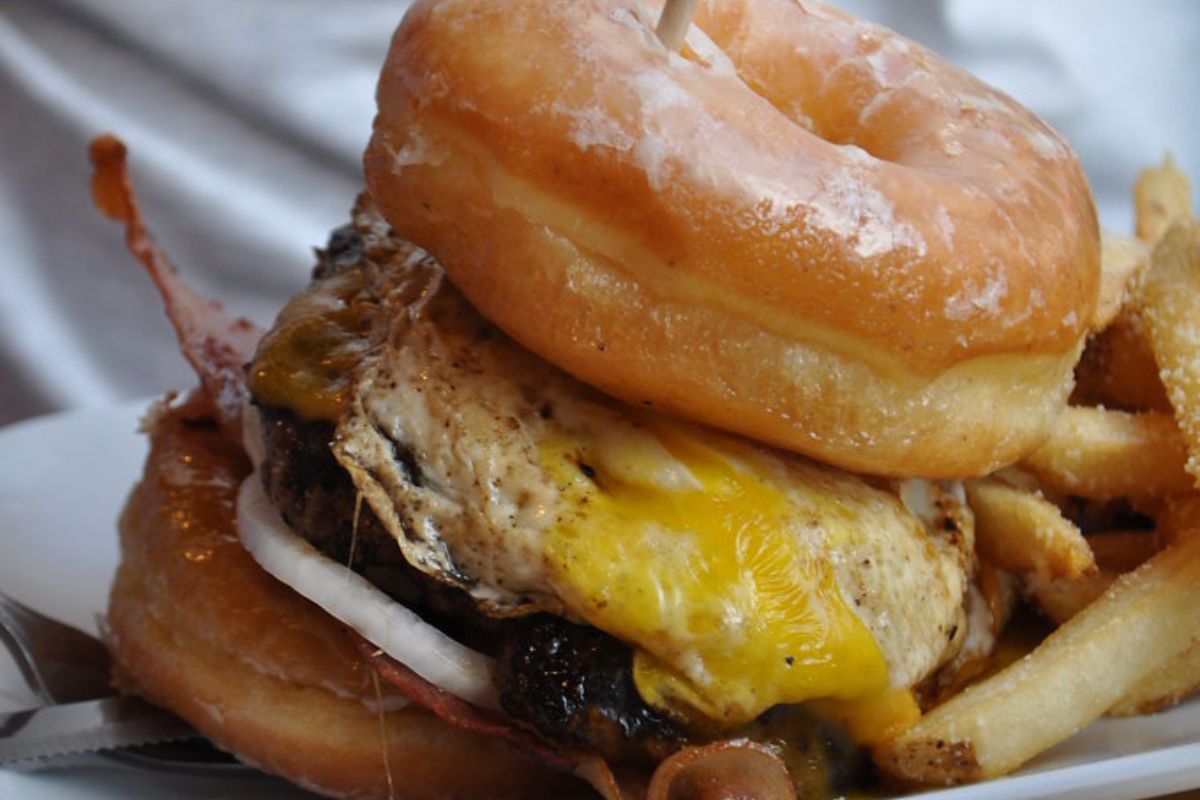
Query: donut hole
{"type": "Point", "coordinates": [858, 87]}
{"type": "Point", "coordinates": [859, 97]}
{"type": "Point", "coordinates": [844, 107]}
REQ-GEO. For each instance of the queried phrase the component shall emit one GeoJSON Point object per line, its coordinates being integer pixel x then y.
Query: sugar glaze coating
{"type": "Point", "coordinates": [803, 228]}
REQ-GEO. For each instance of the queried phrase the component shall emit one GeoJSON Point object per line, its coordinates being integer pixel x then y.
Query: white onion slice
{"type": "Point", "coordinates": [351, 599]}
{"type": "Point", "coordinates": [252, 437]}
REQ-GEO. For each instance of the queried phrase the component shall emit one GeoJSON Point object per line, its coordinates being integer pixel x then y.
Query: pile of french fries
{"type": "Point", "coordinates": [1100, 528]}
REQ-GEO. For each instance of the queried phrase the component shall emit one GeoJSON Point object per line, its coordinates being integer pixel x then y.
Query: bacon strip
{"type": "Point", "coordinates": [216, 344]}
{"type": "Point", "coordinates": [461, 714]}
{"type": "Point", "coordinates": [736, 769]}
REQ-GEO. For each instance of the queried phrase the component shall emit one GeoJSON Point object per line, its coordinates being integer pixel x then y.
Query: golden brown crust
{"type": "Point", "coordinates": [198, 627]}
{"type": "Point", "coordinates": [672, 236]}
{"type": "Point", "coordinates": [933, 762]}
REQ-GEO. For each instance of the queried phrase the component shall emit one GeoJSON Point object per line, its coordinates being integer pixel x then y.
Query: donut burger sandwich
{"type": "Point", "coordinates": [620, 435]}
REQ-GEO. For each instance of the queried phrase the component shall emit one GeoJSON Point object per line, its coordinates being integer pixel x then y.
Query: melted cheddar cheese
{"type": "Point", "coordinates": [692, 547]}
{"type": "Point", "coordinates": [306, 361]}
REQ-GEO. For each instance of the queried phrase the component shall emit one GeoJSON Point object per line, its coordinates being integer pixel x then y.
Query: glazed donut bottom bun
{"type": "Point", "coordinates": [197, 627]}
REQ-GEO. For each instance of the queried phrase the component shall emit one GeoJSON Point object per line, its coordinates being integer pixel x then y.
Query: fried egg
{"type": "Point", "coordinates": [741, 577]}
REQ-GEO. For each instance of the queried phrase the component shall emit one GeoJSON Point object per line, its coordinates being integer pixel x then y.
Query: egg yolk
{"type": "Point", "coordinates": [705, 556]}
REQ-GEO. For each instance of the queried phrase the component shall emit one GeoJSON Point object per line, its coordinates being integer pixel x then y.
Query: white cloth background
{"type": "Point", "coordinates": [246, 118]}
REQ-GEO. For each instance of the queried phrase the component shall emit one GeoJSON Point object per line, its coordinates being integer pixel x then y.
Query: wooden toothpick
{"type": "Point", "coordinates": [673, 24]}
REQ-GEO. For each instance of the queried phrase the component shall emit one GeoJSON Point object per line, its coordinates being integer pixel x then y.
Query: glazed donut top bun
{"type": "Point", "coordinates": [802, 228]}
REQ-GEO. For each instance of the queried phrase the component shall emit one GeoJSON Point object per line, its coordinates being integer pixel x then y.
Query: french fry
{"type": "Point", "coordinates": [1179, 677]}
{"type": "Point", "coordinates": [1115, 552]}
{"type": "Point", "coordinates": [1170, 299]}
{"type": "Point", "coordinates": [1102, 454]}
{"type": "Point", "coordinates": [1122, 551]}
{"type": "Point", "coordinates": [1021, 531]}
{"type": "Point", "coordinates": [1122, 259]}
{"type": "Point", "coordinates": [1176, 517]}
{"type": "Point", "coordinates": [1145, 620]}
{"type": "Point", "coordinates": [1161, 195]}
{"type": "Point", "coordinates": [1060, 599]}
{"type": "Point", "coordinates": [1174, 681]}
{"type": "Point", "coordinates": [1127, 643]}
{"type": "Point", "coordinates": [1118, 370]}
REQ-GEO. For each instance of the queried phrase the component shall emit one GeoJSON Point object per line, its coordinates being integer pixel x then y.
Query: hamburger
{"type": "Point", "coordinates": [428, 537]}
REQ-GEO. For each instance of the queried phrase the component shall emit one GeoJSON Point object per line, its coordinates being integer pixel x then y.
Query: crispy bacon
{"type": "Point", "coordinates": [463, 715]}
{"type": "Point", "coordinates": [216, 344]}
{"type": "Point", "coordinates": [736, 769]}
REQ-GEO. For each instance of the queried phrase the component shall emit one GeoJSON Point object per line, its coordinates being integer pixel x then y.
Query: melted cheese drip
{"type": "Point", "coordinates": [874, 718]}
{"type": "Point", "coordinates": [689, 546]}
{"type": "Point", "coordinates": [306, 361]}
